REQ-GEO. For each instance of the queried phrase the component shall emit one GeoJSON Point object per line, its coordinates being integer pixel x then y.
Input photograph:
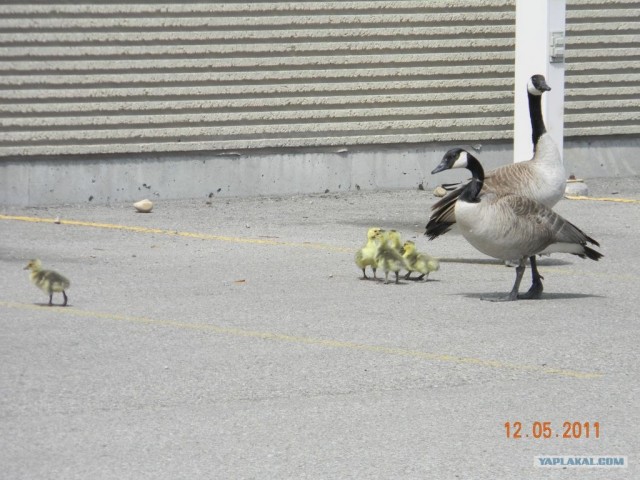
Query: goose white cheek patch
{"type": "Point", "coordinates": [461, 162]}
{"type": "Point", "coordinates": [533, 90]}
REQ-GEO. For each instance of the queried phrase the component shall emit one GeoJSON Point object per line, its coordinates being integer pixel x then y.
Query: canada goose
{"type": "Point", "coordinates": [366, 256]}
{"type": "Point", "coordinates": [47, 280]}
{"type": "Point", "coordinates": [419, 262]}
{"type": "Point", "coordinates": [511, 226]}
{"type": "Point", "coordinates": [543, 178]}
{"type": "Point", "coordinates": [389, 257]}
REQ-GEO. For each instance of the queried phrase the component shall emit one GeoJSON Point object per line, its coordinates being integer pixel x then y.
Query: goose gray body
{"type": "Point", "coordinates": [542, 178]}
{"type": "Point", "coordinates": [511, 226]}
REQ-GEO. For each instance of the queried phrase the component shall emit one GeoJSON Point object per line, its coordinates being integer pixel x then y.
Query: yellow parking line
{"type": "Point", "coordinates": [322, 342]}
{"type": "Point", "coordinates": [176, 233]}
{"type": "Point", "coordinates": [602, 199]}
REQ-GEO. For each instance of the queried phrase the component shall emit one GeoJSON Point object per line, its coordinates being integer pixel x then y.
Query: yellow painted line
{"type": "Point", "coordinates": [176, 233]}
{"type": "Point", "coordinates": [602, 199]}
{"type": "Point", "coordinates": [300, 340]}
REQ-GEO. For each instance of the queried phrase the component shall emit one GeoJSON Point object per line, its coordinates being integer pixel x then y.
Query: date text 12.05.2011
{"type": "Point", "coordinates": [545, 430]}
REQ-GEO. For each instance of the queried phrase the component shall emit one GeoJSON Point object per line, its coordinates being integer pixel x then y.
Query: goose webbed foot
{"type": "Point", "coordinates": [535, 292]}
{"type": "Point", "coordinates": [508, 298]}
{"type": "Point", "coordinates": [513, 294]}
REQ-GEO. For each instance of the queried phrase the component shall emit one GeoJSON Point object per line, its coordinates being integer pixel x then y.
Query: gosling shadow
{"type": "Point", "coordinates": [42, 304]}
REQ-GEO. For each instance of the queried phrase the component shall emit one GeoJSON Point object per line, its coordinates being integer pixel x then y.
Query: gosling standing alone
{"type": "Point", "coordinates": [48, 281]}
{"type": "Point", "coordinates": [419, 262]}
{"type": "Point", "coordinates": [366, 256]}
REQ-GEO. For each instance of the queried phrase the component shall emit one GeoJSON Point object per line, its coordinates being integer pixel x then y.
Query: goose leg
{"type": "Point", "coordinates": [406, 277]}
{"type": "Point", "coordinates": [535, 292]}
{"type": "Point", "coordinates": [64, 304]}
{"type": "Point", "coordinates": [364, 275]}
{"type": "Point", "coordinates": [50, 299]}
{"type": "Point", "coordinates": [374, 274]}
{"type": "Point", "coordinates": [397, 277]}
{"type": "Point", "coordinates": [513, 294]}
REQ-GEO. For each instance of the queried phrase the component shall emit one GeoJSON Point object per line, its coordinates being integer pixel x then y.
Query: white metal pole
{"type": "Point", "coordinates": [540, 33]}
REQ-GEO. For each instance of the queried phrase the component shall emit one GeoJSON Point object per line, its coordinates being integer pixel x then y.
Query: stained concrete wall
{"type": "Point", "coordinates": [167, 176]}
{"type": "Point", "coordinates": [111, 102]}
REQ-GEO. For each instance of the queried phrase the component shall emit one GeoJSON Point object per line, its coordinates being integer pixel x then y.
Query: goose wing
{"type": "Point", "coordinates": [544, 231]}
{"type": "Point", "coordinates": [443, 214]}
{"type": "Point", "coordinates": [514, 178]}
{"type": "Point", "coordinates": [504, 180]}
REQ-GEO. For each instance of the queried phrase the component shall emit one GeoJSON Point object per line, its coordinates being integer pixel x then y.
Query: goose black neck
{"type": "Point", "coordinates": [472, 190]}
{"type": "Point", "coordinates": [537, 122]}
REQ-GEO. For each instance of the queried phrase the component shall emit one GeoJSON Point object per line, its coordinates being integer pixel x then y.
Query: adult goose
{"type": "Point", "coordinates": [510, 226]}
{"type": "Point", "coordinates": [543, 178]}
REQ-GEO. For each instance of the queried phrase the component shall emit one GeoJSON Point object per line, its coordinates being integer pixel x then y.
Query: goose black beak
{"type": "Point", "coordinates": [444, 165]}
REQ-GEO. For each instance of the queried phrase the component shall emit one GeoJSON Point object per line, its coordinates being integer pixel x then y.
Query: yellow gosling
{"type": "Point", "coordinates": [395, 241]}
{"type": "Point", "coordinates": [419, 262]}
{"type": "Point", "coordinates": [388, 257]}
{"type": "Point", "coordinates": [366, 256]}
{"type": "Point", "coordinates": [47, 280]}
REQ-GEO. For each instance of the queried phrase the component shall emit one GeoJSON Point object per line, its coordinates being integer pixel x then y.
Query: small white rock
{"type": "Point", "coordinates": [439, 191]}
{"type": "Point", "coordinates": [143, 206]}
{"type": "Point", "coordinates": [577, 189]}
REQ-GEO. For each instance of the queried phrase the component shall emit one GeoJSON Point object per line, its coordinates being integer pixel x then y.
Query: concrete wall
{"type": "Point", "coordinates": [168, 176]}
{"type": "Point", "coordinates": [117, 101]}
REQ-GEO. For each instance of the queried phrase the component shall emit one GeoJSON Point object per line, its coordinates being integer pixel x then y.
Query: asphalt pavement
{"type": "Point", "coordinates": [233, 338]}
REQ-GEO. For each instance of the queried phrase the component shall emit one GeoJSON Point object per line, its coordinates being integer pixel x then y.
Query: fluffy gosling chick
{"type": "Point", "coordinates": [419, 262]}
{"type": "Point", "coordinates": [366, 256]}
{"type": "Point", "coordinates": [47, 280]}
{"type": "Point", "coordinates": [388, 257]}
{"type": "Point", "coordinates": [394, 240]}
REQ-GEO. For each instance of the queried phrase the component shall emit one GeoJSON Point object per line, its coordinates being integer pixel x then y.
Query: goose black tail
{"type": "Point", "coordinates": [592, 241]}
{"type": "Point", "coordinates": [591, 253]}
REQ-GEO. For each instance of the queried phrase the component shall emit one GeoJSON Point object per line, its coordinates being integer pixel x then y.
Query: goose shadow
{"type": "Point", "coordinates": [546, 262]}
{"type": "Point", "coordinates": [545, 296]}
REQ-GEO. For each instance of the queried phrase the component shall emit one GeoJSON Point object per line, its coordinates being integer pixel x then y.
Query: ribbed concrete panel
{"type": "Point", "coordinates": [89, 77]}
{"type": "Point", "coordinates": [602, 68]}
{"type": "Point", "coordinates": [82, 78]}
